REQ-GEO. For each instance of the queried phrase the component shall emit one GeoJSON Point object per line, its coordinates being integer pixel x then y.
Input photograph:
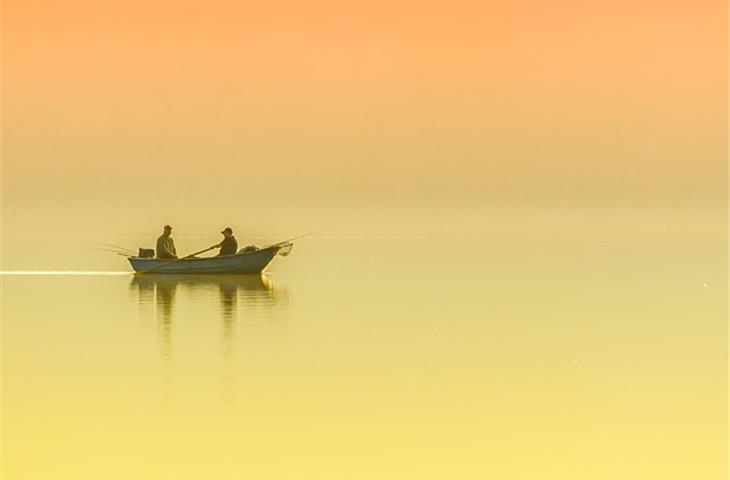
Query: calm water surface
{"type": "Point", "coordinates": [593, 349]}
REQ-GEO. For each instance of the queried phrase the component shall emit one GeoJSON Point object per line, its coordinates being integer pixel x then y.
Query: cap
{"type": "Point", "coordinates": [227, 229]}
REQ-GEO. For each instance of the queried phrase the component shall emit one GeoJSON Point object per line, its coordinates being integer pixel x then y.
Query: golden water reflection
{"type": "Point", "coordinates": [234, 297]}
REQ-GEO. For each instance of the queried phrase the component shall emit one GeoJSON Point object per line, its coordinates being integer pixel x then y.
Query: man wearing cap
{"type": "Point", "coordinates": [165, 244]}
{"type": "Point", "coordinates": [229, 245]}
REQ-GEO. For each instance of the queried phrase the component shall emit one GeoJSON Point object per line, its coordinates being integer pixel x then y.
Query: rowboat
{"type": "Point", "coordinates": [243, 262]}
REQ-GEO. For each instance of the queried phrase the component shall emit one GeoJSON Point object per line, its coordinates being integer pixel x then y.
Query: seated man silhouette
{"type": "Point", "coordinates": [229, 245]}
{"type": "Point", "coordinates": [165, 244]}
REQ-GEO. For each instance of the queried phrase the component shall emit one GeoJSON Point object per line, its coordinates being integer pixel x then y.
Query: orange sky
{"type": "Point", "coordinates": [337, 99]}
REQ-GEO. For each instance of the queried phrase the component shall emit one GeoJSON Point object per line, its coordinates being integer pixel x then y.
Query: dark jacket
{"type": "Point", "coordinates": [229, 246]}
{"type": "Point", "coordinates": [165, 247]}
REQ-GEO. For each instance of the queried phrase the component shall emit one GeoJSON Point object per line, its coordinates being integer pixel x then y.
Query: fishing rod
{"type": "Point", "coordinates": [289, 240]}
{"type": "Point", "coordinates": [116, 252]}
{"type": "Point", "coordinates": [117, 247]}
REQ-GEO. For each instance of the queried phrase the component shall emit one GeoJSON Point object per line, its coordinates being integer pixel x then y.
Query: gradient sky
{"type": "Point", "coordinates": [527, 101]}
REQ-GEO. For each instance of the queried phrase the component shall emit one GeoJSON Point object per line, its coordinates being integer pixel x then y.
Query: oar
{"type": "Point", "coordinates": [178, 259]}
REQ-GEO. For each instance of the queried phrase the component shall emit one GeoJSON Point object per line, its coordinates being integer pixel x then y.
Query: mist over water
{"type": "Point", "coordinates": [518, 267]}
{"type": "Point", "coordinates": [402, 343]}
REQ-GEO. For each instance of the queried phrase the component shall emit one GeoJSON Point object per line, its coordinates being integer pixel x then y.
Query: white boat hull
{"type": "Point", "coordinates": [240, 263]}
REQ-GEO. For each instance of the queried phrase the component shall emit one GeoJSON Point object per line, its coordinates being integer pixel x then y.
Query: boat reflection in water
{"type": "Point", "coordinates": [236, 298]}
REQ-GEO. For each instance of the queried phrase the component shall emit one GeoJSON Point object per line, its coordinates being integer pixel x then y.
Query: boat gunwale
{"type": "Point", "coordinates": [198, 259]}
